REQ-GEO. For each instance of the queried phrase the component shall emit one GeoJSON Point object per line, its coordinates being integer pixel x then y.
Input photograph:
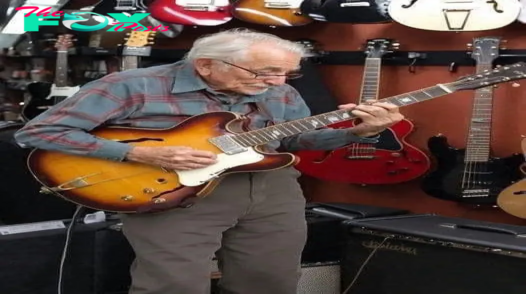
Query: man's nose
{"type": "Point", "coordinates": [275, 80]}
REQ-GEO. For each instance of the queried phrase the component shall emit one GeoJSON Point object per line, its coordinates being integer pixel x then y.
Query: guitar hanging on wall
{"type": "Point", "coordinates": [275, 13]}
{"type": "Point", "coordinates": [136, 46]}
{"type": "Point", "coordinates": [192, 12]}
{"type": "Point", "coordinates": [454, 15]}
{"type": "Point", "coordinates": [392, 160]}
{"type": "Point", "coordinates": [347, 11]}
{"type": "Point", "coordinates": [513, 199]}
{"type": "Point", "coordinates": [130, 187]}
{"type": "Point", "coordinates": [44, 95]}
{"type": "Point", "coordinates": [471, 175]}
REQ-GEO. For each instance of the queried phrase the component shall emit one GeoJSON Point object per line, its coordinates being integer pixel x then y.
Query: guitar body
{"type": "Point", "coordinates": [271, 13]}
{"type": "Point", "coordinates": [43, 96]}
{"type": "Point", "coordinates": [445, 15]}
{"type": "Point", "coordinates": [481, 185]}
{"type": "Point", "coordinates": [390, 161]}
{"type": "Point", "coordinates": [513, 199]}
{"type": "Point", "coordinates": [115, 6]}
{"type": "Point", "coordinates": [344, 11]}
{"type": "Point", "coordinates": [191, 13]}
{"type": "Point", "coordinates": [129, 187]}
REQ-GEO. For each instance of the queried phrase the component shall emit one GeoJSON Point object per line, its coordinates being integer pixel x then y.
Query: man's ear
{"type": "Point", "coordinates": [203, 66]}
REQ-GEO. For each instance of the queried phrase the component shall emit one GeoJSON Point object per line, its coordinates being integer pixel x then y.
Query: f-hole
{"type": "Point", "coordinates": [495, 6]}
{"type": "Point", "coordinates": [413, 2]}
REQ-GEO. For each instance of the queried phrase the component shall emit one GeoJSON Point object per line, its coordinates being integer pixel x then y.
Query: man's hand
{"type": "Point", "coordinates": [375, 117]}
{"type": "Point", "coordinates": [172, 158]}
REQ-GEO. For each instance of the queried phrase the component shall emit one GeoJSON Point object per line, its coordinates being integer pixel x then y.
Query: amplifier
{"type": "Point", "coordinates": [320, 278]}
{"type": "Point", "coordinates": [432, 254]}
{"type": "Point", "coordinates": [30, 261]}
{"type": "Point", "coordinates": [324, 230]}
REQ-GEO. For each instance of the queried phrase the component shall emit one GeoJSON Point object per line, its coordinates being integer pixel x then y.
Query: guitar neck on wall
{"type": "Point", "coordinates": [453, 15]}
{"type": "Point", "coordinates": [472, 175]}
{"type": "Point", "coordinates": [192, 12]}
{"type": "Point", "coordinates": [44, 95]}
{"type": "Point", "coordinates": [137, 45]}
{"type": "Point", "coordinates": [391, 160]}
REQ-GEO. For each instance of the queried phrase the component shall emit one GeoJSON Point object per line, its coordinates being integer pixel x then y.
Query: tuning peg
{"type": "Point", "coordinates": [469, 45]}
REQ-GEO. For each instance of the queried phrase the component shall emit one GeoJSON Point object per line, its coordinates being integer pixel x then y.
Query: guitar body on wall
{"type": "Point", "coordinates": [44, 95]}
{"type": "Point", "coordinates": [472, 175]}
{"type": "Point", "coordinates": [192, 12]}
{"type": "Point", "coordinates": [392, 160]}
{"type": "Point", "coordinates": [130, 187]}
{"type": "Point", "coordinates": [279, 13]}
{"type": "Point", "coordinates": [453, 15]}
{"type": "Point", "coordinates": [513, 199]}
{"type": "Point", "coordinates": [347, 11]}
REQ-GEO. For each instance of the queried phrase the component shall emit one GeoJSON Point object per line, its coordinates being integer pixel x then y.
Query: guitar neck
{"type": "Point", "coordinates": [371, 79]}
{"type": "Point", "coordinates": [479, 135]}
{"type": "Point", "coordinates": [61, 69]}
{"type": "Point", "coordinates": [130, 62]}
{"type": "Point", "coordinates": [291, 128]}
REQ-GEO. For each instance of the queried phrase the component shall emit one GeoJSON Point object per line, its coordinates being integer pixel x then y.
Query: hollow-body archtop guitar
{"type": "Point", "coordinates": [130, 187]}
{"type": "Point", "coordinates": [392, 160]}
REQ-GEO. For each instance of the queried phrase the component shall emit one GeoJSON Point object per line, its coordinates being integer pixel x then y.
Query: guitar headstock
{"type": "Point", "coordinates": [376, 48]}
{"type": "Point", "coordinates": [64, 42]}
{"type": "Point", "coordinates": [312, 46]}
{"type": "Point", "coordinates": [138, 43]}
{"type": "Point", "coordinates": [140, 39]}
{"type": "Point", "coordinates": [508, 73]}
{"type": "Point", "coordinates": [486, 49]}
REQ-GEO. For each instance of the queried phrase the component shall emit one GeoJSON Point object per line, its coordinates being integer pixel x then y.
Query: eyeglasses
{"type": "Point", "coordinates": [259, 75]}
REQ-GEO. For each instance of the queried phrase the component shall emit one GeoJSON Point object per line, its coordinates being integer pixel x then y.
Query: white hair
{"type": "Point", "coordinates": [233, 45]}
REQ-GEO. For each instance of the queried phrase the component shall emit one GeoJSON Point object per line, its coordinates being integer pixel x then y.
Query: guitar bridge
{"type": "Point", "coordinates": [360, 157]}
{"type": "Point", "coordinates": [277, 5]}
{"type": "Point", "coordinates": [473, 193]}
{"type": "Point", "coordinates": [196, 8]}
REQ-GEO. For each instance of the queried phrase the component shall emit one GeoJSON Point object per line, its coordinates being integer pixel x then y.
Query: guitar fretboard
{"type": "Point", "coordinates": [61, 69]}
{"type": "Point", "coordinates": [291, 128]}
{"type": "Point", "coordinates": [479, 135]}
{"type": "Point", "coordinates": [130, 62]}
{"type": "Point", "coordinates": [371, 79]}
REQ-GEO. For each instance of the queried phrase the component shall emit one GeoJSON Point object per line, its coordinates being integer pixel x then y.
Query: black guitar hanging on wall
{"type": "Point", "coordinates": [472, 175]}
{"type": "Point", "coordinates": [347, 11]}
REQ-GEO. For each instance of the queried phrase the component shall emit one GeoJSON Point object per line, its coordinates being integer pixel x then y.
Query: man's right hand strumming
{"type": "Point", "coordinates": [173, 158]}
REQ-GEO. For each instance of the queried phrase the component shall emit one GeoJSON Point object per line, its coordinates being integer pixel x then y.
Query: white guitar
{"type": "Point", "coordinates": [454, 15]}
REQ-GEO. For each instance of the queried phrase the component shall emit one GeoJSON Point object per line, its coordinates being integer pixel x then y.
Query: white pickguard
{"type": "Point", "coordinates": [522, 15]}
{"type": "Point", "coordinates": [62, 92]}
{"type": "Point", "coordinates": [434, 15]}
{"type": "Point", "coordinates": [200, 176]}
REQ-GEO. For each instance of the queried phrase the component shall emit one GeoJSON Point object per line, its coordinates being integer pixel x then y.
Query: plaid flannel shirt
{"type": "Point", "coordinates": [161, 97]}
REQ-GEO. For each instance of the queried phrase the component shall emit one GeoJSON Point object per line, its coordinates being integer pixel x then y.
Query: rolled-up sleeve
{"type": "Point", "coordinates": [65, 126]}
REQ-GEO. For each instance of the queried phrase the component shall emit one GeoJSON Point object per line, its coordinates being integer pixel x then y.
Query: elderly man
{"type": "Point", "coordinates": [253, 222]}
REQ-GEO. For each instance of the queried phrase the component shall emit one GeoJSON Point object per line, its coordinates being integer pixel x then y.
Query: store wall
{"type": "Point", "coordinates": [447, 115]}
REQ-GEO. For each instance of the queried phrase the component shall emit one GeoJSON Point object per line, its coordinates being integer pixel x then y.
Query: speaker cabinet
{"type": "Point", "coordinates": [432, 254]}
{"type": "Point", "coordinates": [320, 278]}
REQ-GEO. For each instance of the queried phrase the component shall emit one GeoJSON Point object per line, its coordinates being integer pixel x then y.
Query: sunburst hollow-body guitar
{"type": "Point", "coordinates": [279, 13]}
{"type": "Point", "coordinates": [130, 187]}
{"type": "Point", "coordinates": [391, 160]}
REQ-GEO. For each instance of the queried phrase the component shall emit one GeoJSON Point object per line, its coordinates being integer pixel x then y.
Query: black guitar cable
{"type": "Point", "coordinates": [69, 230]}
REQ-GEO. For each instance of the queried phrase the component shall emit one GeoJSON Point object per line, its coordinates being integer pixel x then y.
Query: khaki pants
{"type": "Point", "coordinates": [256, 221]}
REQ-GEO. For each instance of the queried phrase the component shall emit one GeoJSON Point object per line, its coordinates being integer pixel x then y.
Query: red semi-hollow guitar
{"type": "Point", "coordinates": [192, 12]}
{"type": "Point", "coordinates": [391, 160]}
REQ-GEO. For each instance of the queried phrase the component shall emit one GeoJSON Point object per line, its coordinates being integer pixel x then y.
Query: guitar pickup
{"type": "Point", "coordinates": [278, 5]}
